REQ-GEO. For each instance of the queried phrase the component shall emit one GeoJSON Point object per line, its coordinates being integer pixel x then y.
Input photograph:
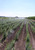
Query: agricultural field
{"type": "Point", "coordinates": [17, 34]}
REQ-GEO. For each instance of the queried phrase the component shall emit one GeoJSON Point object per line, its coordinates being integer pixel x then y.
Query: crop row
{"type": "Point", "coordinates": [33, 28]}
{"type": "Point", "coordinates": [11, 44]}
{"type": "Point", "coordinates": [28, 45]}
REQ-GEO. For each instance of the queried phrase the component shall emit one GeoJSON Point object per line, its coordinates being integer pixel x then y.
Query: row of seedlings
{"type": "Point", "coordinates": [11, 44]}
{"type": "Point", "coordinates": [28, 45]}
{"type": "Point", "coordinates": [6, 32]}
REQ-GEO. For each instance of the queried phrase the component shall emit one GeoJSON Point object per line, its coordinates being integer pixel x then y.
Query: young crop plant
{"type": "Point", "coordinates": [28, 46]}
{"type": "Point", "coordinates": [16, 26]}
{"type": "Point", "coordinates": [4, 37]}
{"type": "Point", "coordinates": [10, 45]}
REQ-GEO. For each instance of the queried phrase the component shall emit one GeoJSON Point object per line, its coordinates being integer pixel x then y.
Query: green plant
{"type": "Point", "coordinates": [28, 46]}
{"type": "Point", "coordinates": [10, 45]}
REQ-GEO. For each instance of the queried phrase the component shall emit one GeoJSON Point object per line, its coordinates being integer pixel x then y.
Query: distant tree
{"type": "Point", "coordinates": [16, 17]}
{"type": "Point", "coordinates": [32, 17]}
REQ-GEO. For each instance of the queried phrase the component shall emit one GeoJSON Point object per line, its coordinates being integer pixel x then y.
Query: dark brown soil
{"type": "Point", "coordinates": [33, 20]}
{"type": "Point", "coordinates": [31, 37]}
{"type": "Point", "coordinates": [9, 39]}
{"type": "Point", "coordinates": [20, 44]}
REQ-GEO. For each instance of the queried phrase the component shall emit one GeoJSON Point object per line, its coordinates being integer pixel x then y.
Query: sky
{"type": "Point", "coordinates": [21, 8]}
